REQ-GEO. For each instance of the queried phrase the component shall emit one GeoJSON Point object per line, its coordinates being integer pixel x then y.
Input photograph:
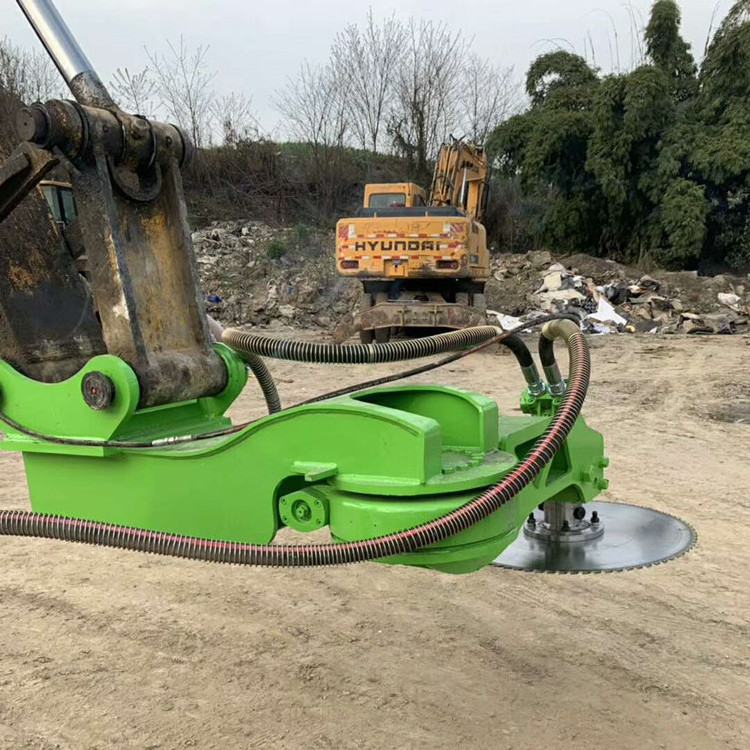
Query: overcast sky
{"type": "Point", "coordinates": [256, 45]}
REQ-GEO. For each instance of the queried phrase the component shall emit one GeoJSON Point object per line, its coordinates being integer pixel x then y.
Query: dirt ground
{"type": "Point", "coordinates": [105, 649]}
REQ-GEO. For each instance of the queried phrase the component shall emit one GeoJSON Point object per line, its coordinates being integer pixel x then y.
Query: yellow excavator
{"type": "Point", "coordinates": [423, 261]}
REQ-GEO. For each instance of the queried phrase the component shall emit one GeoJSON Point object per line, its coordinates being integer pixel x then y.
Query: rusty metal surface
{"type": "Point", "coordinates": [143, 272]}
{"type": "Point", "coordinates": [128, 142]}
{"type": "Point", "coordinates": [88, 89]}
{"type": "Point", "coordinates": [416, 314]}
{"type": "Point", "coordinates": [132, 235]}
{"type": "Point", "coordinates": [132, 231]}
{"type": "Point", "coordinates": [48, 329]}
{"type": "Point", "coordinates": [20, 173]}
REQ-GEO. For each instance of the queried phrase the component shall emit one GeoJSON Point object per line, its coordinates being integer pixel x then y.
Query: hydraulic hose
{"type": "Point", "coordinates": [357, 354]}
{"type": "Point", "coordinates": [551, 369]}
{"type": "Point", "coordinates": [22, 523]}
{"type": "Point", "coordinates": [526, 363]}
{"type": "Point", "coordinates": [557, 384]}
{"type": "Point", "coordinates": [265, 381]}
{"type": "Point", "coordinates": [258, 368]}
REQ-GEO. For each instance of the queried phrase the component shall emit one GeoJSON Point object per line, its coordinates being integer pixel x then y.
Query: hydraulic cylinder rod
{"type": "Point", "coordinates": [66, 53]}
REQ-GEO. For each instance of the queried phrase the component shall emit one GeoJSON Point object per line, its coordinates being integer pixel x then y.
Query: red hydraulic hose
{"type": "Point", "coordinates": [22, 523]}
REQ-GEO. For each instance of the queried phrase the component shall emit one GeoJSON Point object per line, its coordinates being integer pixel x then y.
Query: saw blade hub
{"type": "Point", "coordinates": [564, 523]}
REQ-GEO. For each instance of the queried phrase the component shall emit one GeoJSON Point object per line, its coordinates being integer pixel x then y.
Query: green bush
{"type": "Point", "coordinates": [275, 249]}
{"type": "Point", "coordinates": [301, 234]}
{"type": "Point", "coordinates": [653, 163]}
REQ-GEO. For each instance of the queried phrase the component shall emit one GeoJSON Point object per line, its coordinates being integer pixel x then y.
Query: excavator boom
{"type": "Point", "coordinates": [461, 178]}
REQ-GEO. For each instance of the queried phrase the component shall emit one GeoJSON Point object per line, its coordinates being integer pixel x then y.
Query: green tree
{"type": "Point", "coordinates": [651, 163]}
{"type": "Point", "coordinates": [545, 148]}
{"type": "Point", "coordinates": [561, 80]}
{"type": "Point", "coordinates": [668, 51]}
{"type": "Point", "coordinates": [721, 152]}
{"type": "Point", "coordinates": [632, 113]}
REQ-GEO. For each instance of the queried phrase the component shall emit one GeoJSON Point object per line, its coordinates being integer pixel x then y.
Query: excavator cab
{"type": "Point", "coordinates": [394, 195]}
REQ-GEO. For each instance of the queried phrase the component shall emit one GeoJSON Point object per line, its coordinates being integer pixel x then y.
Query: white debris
{"type": "Point", "coordinates": [552, 282]}
{"type": "Point", "coordinates": [606, 314]}
{"type": "Point", "coordinates": [549, 300]}
{"type": "Point", "coordinates": [506, 322]}
{"type": "Point", "coordinates": [732, 301]}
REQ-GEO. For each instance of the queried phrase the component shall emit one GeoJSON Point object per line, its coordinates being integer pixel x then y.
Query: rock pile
{"type": "Point", "coordinates": [254, 274]}
{"type": "Point", "coordinates": [609, 297]}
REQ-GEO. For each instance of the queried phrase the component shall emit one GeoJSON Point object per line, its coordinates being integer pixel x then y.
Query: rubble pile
{"type": "Point", "coordinates": [609, 297]}
{"type": "Point", "coordinates": [257, 275]}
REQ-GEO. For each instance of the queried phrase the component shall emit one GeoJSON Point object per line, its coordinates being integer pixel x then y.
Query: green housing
{"type": "Point", "coordinates": [378, 461]}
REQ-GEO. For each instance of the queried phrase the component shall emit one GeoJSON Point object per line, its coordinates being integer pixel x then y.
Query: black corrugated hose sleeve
{"type": "Point", "coordinates": [256, 365]}
{"type": "Point", "coordinates": [357, 354]}
{"type": "Point", "coordinates": [265, 381]}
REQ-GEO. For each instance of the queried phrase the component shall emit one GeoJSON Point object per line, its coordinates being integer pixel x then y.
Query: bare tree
{"type": "Point", "coordinates": [30, 76]}
{"type": "Point", "coordinates": [184, 86]}
{"type": "Point", "coordinates": [10, 99]}
{"type": "Point", "coordinates": [407, 86]}
{"type": "Point", "coordinates": [488, 95]}
{"type": "Point", "coordinates": [426, 98]}
{"type": "Point", "coordinates": [314, 105]}
{"type": "Point", "coordinates": [134, 92]}
{"type": "Point", "coordinates": [11, 71]}
{"type": "Point", "coordinates": [43, 81]}
{"type": "Point", "coordinates": [367, 61]}
{"type": "Point", "coordinates": [234, 116]}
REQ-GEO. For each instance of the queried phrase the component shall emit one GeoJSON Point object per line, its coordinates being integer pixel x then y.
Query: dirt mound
{"type": "Point", "coordinates": [254, 274]}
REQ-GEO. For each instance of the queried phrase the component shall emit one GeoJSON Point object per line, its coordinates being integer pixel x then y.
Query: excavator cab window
{"type": "Point", "coordinates": [61, 202]}
{"type": "Point", "coordinates": [387, 200]}
{"type": "Point", "coordinates": [69, 205]}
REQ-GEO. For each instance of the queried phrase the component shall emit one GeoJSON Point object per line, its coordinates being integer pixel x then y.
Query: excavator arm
{"type": "Point", "coordinates": [461, 178]}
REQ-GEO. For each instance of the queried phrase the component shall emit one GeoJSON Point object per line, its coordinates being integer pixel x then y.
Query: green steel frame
{"type": "Point", "coordinates": [375, 462]}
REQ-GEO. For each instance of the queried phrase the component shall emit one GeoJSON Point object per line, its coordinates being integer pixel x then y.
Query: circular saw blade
{"type": "Point", "coordinates": [634, 537]}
